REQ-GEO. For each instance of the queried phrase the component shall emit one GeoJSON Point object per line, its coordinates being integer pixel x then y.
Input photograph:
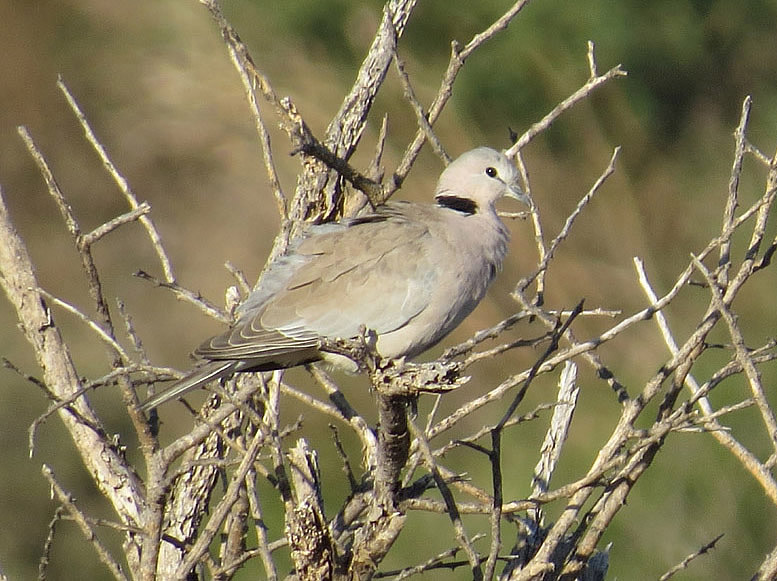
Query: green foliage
{"type": "Point", "coordinates": [681, 54]}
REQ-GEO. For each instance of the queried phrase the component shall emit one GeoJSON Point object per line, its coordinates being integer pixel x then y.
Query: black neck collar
{"type": "Point", "coordinates": [462, 205]}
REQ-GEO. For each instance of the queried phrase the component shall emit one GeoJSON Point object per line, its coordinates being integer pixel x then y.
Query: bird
{"type": "Point", "coordinates": [407, 272]}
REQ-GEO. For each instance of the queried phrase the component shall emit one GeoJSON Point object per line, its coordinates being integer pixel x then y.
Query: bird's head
{"type": "Point", "coordinates": [478, 178]}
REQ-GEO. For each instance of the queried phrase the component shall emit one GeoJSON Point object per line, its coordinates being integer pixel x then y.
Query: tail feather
{"type": "Point", "coordinates": [199, 377]}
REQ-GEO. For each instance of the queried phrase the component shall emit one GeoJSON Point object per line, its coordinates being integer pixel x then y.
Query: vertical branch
{"type": "Point", "coordinates": [393, 446]}
{"type": "Point", "coordinates": [178, 503]}
{"type": "Point", "coordinates": [546, 254]}
{"type": "Point", "coordinates": [732, 201]}
{"type": "Point", "coordinates": [116, 480]}
{"type": "Point", "coordinates": [495, 456]}
{"type": "Point", "coordinates": [222, 510]}
{"type": "Point", "coordinates": [186, 506]}
{"type": "Point", "coordinates": [312, 548]}
{"type": "Point", "coordinates": [317, 197]}
{"type": "Point", "coordinates": [450, 503]}
{"type": "Point", "coordinates": [420, 115]}
{"type": "Point", "coordinates": [260, 529]}
{"type": "Point", "coordinates": [252, 80]}
{"type": "Point", "coordinates": [550, 451]}
{"type": "Point", "coordinates": [743, 356]}
{"type": "Point", "coordinates": [384, 521]}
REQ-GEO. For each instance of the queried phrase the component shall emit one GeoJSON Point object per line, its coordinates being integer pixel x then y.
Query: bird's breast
{"type": "Point", "coordinates": [467, 255]}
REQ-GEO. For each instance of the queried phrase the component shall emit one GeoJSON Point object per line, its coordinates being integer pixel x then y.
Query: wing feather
{"type": "Point", "coordinates": [373, 272]}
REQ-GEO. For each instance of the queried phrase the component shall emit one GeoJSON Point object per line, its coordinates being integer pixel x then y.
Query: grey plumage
{"type": "Point", "coordinates": [409, 272]}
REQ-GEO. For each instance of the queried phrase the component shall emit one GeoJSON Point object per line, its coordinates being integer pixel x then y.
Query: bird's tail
{"type": "Point", "coordinates": [197, 378]}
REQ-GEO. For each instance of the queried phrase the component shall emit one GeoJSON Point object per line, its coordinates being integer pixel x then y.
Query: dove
{"type": "Point", "coordinates": [407, 272]}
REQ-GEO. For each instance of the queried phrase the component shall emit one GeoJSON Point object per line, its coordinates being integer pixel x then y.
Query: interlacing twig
{"type": "Point", "coordinates": [209, 497]}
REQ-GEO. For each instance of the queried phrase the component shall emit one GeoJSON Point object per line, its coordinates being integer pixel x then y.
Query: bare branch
{"type": "Point", "coordinates": [83, 523]}
{"type": "Point", "coordinates": [47, 546]}
{"type": "Point", "coordinates": [101, 334]}
{"type": "Point", "coordinates": [768, 569]}
{"type": "Point", "coordinates": [421, 116]}
{"type": "Point", "coordinates": [592, 84]}
{"type": "Point", "coordinates": [121, 181]}
{"type": "Point", "coordinates": [115, 479]}
{"type": "Point", "coordinates": [189, 296]}
{"type": "Point", "coordinates": [87, 261]}
{"type": "Point", "coordinates": [742, 354]}
{"type": "Point", "coordinates": [547, 255]}
{"type": "Point", "coordinates": [458, 57]}
{"type": "Point", "coordinates": [556, 436]}
{"type": "Point", "coordinates": [733, 187]}
{"type": "Point", "coordinates": [132, 216]}
{"type": "Point", "coordinates": [687, 561]}
{"type": "Point", "coordinates": [217, 517]}
{"type": "Point", "coordinates": [173, 515]}
{"type": "Point", "coordinates": [450, 502]}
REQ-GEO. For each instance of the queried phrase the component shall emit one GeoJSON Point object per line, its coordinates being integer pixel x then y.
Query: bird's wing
{"type": "Point", "coordinates": [376, 272]}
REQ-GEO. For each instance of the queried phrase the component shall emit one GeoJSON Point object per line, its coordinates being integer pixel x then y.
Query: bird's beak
{"type": "Point", "coordinates": [514, 191]}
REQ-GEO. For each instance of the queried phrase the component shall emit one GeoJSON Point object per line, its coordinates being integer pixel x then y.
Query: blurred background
{"type": "Point", "coordinates": [155, 81]}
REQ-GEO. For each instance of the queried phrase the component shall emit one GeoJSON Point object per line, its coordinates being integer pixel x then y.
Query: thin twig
{"type": "Point", "coordinates": [73, 227]}
{"type": "Point", "coordinates": [666, 332]}
{"type": "Point", "coordinates": [732, 201]}
{"type": "Point", "coordinates": [99, 331]}
{"type": "Point", "coordinates": [591, 84]}
{"type": "Point", "coordinates": [219, 513]}
{"type": "Point", "coordinates": [240, 278]}
{"type": "Point", "coordinates": [758, 154]}
{"type": "Point", "coordinates": [687, 561]}
{"type": "Point", "coordinates": [699, 395]}
{"type": "Point", "coordinates": [420, 114]}
{"type": "Point", "coordinates": [104, 229]}
{"type": "Point", "coordinates": [742, 355]}
{"type": "Point", "coordinates": [432, 564]}
{"type": "Point", "coordinates": [252, 79]}
{"type": "Point", "coordinates": [189, 296]}
{"type": "Point", "coordinates": [121, 181]}
{"type": "Point", "coordinates": [450, 502]}
{"type": "Point", "coordinates": [346, 412]}
{"type": "Point", "coordinates": [458, 57]}
{"type": "Point", "coordinates": [260, 528]}
{"type": "Point", "coordinates": [45, 558]}
{"type": "Point", "coordinates": [83, 523]}
{"type": "Point", "coordinates": [347, 469]}
{"type": "Point", "coordinates": [548, 254]}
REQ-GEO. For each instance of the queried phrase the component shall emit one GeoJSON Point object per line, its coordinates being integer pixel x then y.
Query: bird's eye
{"type": "Point", "coordinates": [491, 172]}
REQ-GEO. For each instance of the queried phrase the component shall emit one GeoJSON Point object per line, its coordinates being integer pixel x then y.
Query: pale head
{"type": "Point", "coordinates": [482, 175]}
